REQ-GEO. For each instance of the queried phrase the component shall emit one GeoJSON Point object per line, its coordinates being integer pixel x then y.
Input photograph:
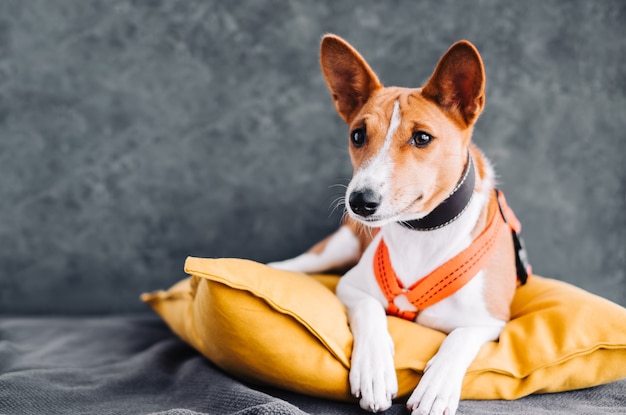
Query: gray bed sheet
{"type": "Point", "coordinates": [136, 365]}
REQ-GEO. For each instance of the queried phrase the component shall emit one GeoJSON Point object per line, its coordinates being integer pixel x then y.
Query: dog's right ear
{"type": "Point", "coordinates": [350, 79]}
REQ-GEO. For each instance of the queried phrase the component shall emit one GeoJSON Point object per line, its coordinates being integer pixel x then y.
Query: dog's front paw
{"type": "Point", "coordinates": [306, 262]}
{"type": "Point", "coordinates": [282, 265]}
{"type": "Point", "coordinates": [373, 375]}
{"type": "Point", "coordinates": [439, 389]}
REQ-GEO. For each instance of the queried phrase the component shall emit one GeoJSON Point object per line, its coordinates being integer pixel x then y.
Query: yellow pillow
{"type": "Point", "coordinates": [289, 330]}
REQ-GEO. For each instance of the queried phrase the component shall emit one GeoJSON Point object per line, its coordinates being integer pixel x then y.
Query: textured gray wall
{"type": "Point", "coordinates": [135, 133]}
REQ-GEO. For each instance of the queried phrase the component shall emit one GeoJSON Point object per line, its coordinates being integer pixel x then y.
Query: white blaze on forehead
{"type": "Point", "coordinates": [376, 173]}
{"type": "Point", "coordinates": [394, 123]}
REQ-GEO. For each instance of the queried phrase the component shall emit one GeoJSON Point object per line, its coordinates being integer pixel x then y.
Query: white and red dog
{"type": "Point", "coordinates": [447, 254]}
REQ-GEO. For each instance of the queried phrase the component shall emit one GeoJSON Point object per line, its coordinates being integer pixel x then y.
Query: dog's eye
{"type": "Point", "coordinates": [420, 139]}
{"type": "Point", "coordinates": [358, 137]}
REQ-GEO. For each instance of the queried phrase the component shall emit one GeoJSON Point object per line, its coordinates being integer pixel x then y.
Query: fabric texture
{"type": "Point", "coordinates": [288, 330]}
{"type": "Point", "coordinates": [136, 365]}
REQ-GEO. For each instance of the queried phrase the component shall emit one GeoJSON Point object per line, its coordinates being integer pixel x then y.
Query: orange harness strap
{"type": "Point", "coordinates": [452, 275]}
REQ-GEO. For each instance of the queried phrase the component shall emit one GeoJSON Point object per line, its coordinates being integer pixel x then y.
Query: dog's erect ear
{"type": "Point", "coordinates": [458, 83]}
{"type": "Point", "coordinates": [350, 80]}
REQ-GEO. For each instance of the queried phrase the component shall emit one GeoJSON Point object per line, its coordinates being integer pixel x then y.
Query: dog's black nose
{"type": "Point", "coordinates": [364, 202]}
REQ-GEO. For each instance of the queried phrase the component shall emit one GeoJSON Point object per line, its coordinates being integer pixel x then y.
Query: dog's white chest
{"type": "Point", "coordinates": [415, 254]}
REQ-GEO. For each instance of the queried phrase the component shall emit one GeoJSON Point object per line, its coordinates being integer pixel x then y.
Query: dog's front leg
{"type": "Point", "coordinates": [342, 249]}
{"type": "Point", "coordinates": [372, 371]}
{"type": "Point", "coordinates": [439, 389]}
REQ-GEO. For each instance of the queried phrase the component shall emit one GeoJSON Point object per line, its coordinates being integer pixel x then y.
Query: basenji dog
{"type": "Point", "coordinates": [446, 253]}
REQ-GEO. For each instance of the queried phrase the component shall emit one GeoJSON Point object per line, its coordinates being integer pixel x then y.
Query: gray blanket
{"type": "Point", "coordinates": [135, 365]}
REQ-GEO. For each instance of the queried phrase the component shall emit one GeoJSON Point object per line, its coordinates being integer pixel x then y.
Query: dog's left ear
{"type": "Point", "coordinates": [458, 83]}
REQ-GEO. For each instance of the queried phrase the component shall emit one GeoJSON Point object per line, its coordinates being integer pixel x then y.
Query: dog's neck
{"type": "Point", "coordinates": [416, 254]}
{"type": "Point", "coordinates": [428, 250]}
{"type": "Point", "coordinates": [452, 207]}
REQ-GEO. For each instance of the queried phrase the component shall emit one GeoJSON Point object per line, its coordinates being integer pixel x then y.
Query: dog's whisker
{"type": "Point", "coordinates": [336, 204]}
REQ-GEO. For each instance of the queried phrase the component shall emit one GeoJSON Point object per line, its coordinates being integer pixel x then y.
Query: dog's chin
{"type": "Point", "coordinates": [371, 222]}
{"type": "Point", "coordinates": [378, 221]}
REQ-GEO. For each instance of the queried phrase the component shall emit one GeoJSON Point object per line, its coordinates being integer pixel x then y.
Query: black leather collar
{"type": "Point", "coordinates": [451, 208]}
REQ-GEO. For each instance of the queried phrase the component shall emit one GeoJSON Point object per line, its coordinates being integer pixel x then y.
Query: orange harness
{"type": "Point", "coordinates": [456, 272]}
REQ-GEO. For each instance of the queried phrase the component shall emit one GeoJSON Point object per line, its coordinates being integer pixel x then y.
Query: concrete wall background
{"type": "Point", "coordinates": [135, 133]}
